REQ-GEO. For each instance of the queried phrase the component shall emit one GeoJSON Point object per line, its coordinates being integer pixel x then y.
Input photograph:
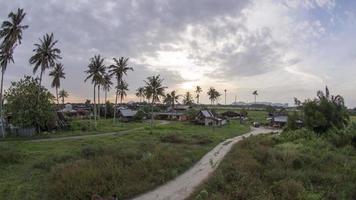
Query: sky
{"type": "Point", "coordinates": [281, 48]}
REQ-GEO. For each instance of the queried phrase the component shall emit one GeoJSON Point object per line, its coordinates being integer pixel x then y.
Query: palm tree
{"type": "Point", "coordinates": [45, 55]}
{"type": "Point", "coordinates": [63, 94]}
{"type": "Point", "coordinates": [106, 86]}
{"type": "Point", "coordinates": [57, 74]}
{"type": "Point", "coordinates": [95, 71]}
{"type": "Point", "coordinates": [154, 90]}
{"type": "Point", "coordinates": [255, 94]}
{"type": "Point", "coordinates": [171, 98]}
{"type": "Point", "coordinates": [140, 93]}
{"type": "Point", "coordinates": [11, 33]}
{"type": "Point", "coordinates": [119, 69]}
{"type": "Point", "coordinates": [188, 99]}
{"type": "Point", "coordinates": [225, 95]}
{"type": "Point", "coordinates": [198, 90]}
{"type": "Point", "coordinates": [213, 95]}
{"type": "Point", "coordinates": [122, 88]}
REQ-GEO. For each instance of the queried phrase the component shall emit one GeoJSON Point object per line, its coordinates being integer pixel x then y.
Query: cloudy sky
{"type": "Point", "coordinates": [282, 48]}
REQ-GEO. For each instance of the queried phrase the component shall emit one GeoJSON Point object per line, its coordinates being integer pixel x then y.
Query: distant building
{"type": "Point", "coordinates": [207, 118]}
{"type": "Point", "coordinates": [126, 115]}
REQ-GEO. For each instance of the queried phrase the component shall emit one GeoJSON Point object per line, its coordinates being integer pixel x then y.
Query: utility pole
{"type": "Point", "coordinates": [225, 96]}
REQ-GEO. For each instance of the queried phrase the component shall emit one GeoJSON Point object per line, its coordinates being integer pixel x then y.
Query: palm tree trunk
{"type": "Point", "coordinates": [94, 106]}
{"type": "Point", "coordinates": [1, 103]}
{"type": "Point", "coordinates": [57, 97]}
{"type": "Point", "coordinates": [255, 99]}
{"type": "Point", "coordinates": [99, 101]}
{"type": "Point", "coordinates": [152, 114]}
{"type": "Point", "coordinates": [115, 105]}
{"type": "Point", "coordinates": [38, 99]}
{"type": "Point", "coordinates": [106, 95]}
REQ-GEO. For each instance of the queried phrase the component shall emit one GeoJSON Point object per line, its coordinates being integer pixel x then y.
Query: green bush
{"type": "Point", "coordinates": [9, 156]}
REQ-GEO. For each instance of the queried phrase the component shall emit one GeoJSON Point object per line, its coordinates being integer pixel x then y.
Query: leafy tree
{"type": "Point", "coordinates": [213, 95]}
{"type": "Point", "coordinates": [119, 69]}
{"type": "Point", "coordinates": [292, 121]}
{"type": "Point", "coordinates": [46, 55]}
{"type": "Point", "coordinates": [26, 113]}
{"type": "Point", "coordinates": [57, 73]}
{"type": "Point", "coordinates": [63, 94]}
{"type": "Point", "coordinates": [171, 98]}
{"type": "Point", "coordinates": [140, 93]}
{"type": "Point", "coordinates": [324, 112]}
{"type": "Point", "coordinates": [122, 88]}
{"type": "Point", "coordinates": [154, 90]}
{"type": "Point", "coordinates": [198, 90]}
{"type": "Point", "coordinates": [255, 93]}
{"type": "Point", "coordinates": [95, 71]}
{"type": "Point", "coordinates": [11, 35]}
{"type": "Point", "coordinates": [188, 99]}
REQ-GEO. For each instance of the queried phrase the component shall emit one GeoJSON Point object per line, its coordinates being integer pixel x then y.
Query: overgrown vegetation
{"type": "Point", "coordinates": [295, 165]}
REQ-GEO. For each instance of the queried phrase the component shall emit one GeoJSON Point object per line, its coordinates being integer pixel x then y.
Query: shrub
{"type": "Point", "coordinates": [9, 156]}
{"type": "Point", "coordinates": [287, 189]}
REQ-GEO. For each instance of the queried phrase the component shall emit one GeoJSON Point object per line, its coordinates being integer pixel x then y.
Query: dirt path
{"type": "Point", "coordinates": [181, 187]}
{"type": "Point", "coordinates": [92, 135]}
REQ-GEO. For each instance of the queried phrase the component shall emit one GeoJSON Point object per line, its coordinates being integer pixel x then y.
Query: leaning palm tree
{"type": "Point", "coordinates": [122, 88]}
{"type": "Point", "coordinates": [140, 93]}
{"type": "Point", "coordinates": [63, 94]}
{"type": "Point", "coordinates": [154, 90]}
{"type": "Point", "coordinates": [198, 90]}
{"type": "Point", "coordinates": [255, 93]}
{"type": "Point", "coordinates": [11, 33]}
{"type": "Point", "coordinates": [119, 69]}
{"type": "Point", "coordinates": [57, 73]}
{"type": "Point", "coordinates": [95, 71]}
{"type": "Point", "coordinates": [46, 55]}
{"type": "Point", "coordinates": [106, 87]}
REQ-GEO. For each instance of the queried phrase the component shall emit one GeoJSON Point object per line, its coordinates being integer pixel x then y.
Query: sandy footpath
{"type": "Point", "coordinates": [182, 186]}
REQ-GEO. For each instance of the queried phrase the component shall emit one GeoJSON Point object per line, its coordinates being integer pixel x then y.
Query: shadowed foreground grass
{"type": "Point", "coordinates": [295, 165]}
{"type": "Point", "coordinates": [123, 165]}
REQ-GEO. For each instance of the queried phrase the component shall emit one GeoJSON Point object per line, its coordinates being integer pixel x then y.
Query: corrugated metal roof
{"type": "Point", "coordinates": [280, 119]}
{"type": "Point", "coordinates": [128, 112]}
{"type": "Point", "coordinates": [207, 113]}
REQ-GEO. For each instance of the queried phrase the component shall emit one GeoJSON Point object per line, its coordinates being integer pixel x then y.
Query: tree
{"type": "Point", "coordinates": [119, 69]}
{"type": "Point", "coordinates": [213, 95]}
{"type": "Point", "coordinates": [255, 94]}
{"type": "Point", "coordinates": [95, 71]}
{"type": "Point", "coordinates": [188, 99]}
{"type": "Point", "coordinates": [57, 73]}
{"type": "Point", "coordinates": [171, 98]}
{"type": "Point", "coordinates": [324, 112]}
{"type": "Point", "coordinates": [46, 55]}
{"type": "Point", "coordinates": [11, 35]}
{"type": "Point", "coordinates": [26, 113]}
{"type": "Point", "coordinates": [121, 90]}
{"type": "Point", "coordinates": [63, 94]}
{"type": "Point", "coordinates": [106, 87]}
{"type": "Point", "coordinates": [140, 93]}
{"type": "Point", "coordinates": [154, 90]}
{"type": "Point", "coordinates": [198, 90]}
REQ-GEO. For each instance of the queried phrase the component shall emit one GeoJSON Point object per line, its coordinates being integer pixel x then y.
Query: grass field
{"type": "Point", "coordinates": [294, 165]}
{"type": "Point", "coordinates": [124, 165]}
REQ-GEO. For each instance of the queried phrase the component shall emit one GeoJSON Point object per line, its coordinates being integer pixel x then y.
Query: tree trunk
{"type": "Point", "coordinates": [106, 95]}
{"type": "Point", "coordinates": [152, 114]}
{"type": "Point", "coordinates": [115, 106]}
{"type": "Point", "coordinates": [38, 99]}
{"type": "Point", "coordinates": [1, 103]}
{"type": "Point", "coordinates": [57, 97]}
{"type": "Point", "coordinates": [99, 101]}
{"type": "Point", "coordinates": [94, 106]}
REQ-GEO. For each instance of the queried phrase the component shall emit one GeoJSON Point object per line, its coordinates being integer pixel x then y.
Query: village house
{"type": "Point", "coordinates": [207, 118]}
{"type": "Point", "coordinates": [126, 115]}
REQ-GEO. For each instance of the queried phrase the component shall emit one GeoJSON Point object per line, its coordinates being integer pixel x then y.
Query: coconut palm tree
{"type": "Point", "coordinates": [46, 55]}
{"type": "Point", "coordinates": [255, 93]}
{"type": "Point", "coordinates": [140, 93]}
{"type": "Point", "coordinates": [119, 69]}
{"type": "Point", "coordinates": [11, 35]}
{"type": "Point", "coordinates": [57, 73]}
{"type": "Point", "coordinates": [188, 99]}
{"type": "Point", "coordinates": [154, 90]}
{"type": "Point", "coordinates": [95, 71]}
{"type": "Point", "coordinates": [171, 98]}
{"type": "Point", "coordinates": [122, 88]}
{"type": "Point", "coordinates": [213, 95]}
{"type": "Point", "coordinates": [63, 94]}
{"type": "Point", "coordinates": [198, 90]}
{"type": "Point", "coordinates": [106, 87]}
